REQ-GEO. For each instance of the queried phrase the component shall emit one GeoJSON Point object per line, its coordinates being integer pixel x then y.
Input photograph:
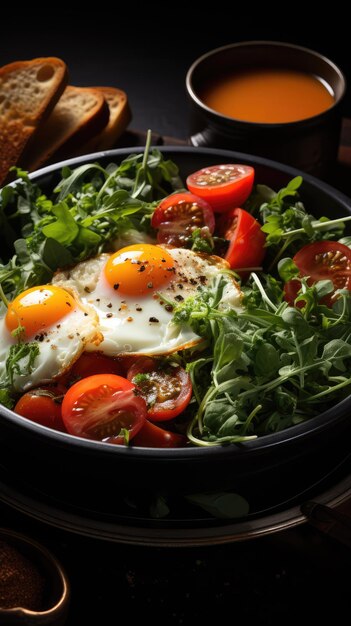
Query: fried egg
{"type": "Point", "coordinates": [132, 291]}
{"type": "Point", "coordinates": [58, 322]}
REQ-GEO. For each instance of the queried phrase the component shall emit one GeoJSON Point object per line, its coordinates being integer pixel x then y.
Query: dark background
{"type": "Point", "coordinates": [147, 51]}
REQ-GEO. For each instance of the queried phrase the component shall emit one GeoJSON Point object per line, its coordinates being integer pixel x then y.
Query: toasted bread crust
{"type": "Point", "coordinates": [81, 112]}
{"type": "Point", "coordinates": [29, 91]}
{"type": "Point", "coordinates": [120, 116]}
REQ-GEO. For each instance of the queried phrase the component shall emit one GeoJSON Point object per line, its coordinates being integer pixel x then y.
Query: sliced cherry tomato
{"type": "Point", "coordinates": [90, 363]}
{"type": "Point", "coordinates": [152, 436]}
{"type": "Point", "coordinates": [101, 407]}
{"type": "Point", "coordinates": [126, 362]}
{"type": "Point", "coordinates": [291, 290]}
{"type": "Point", "coordinates": [246, 239]}
{"type": "Point", "coordinates": [223, 186]}
{"type": "Point", "coordinates": [166, 389]}
{"type": "Point", "coordinates": [322, 260]}
{"type": "Point", "coordinates": [326, 260]}
{"type": "Point", "coordinates": [178, 215]}
{"type": "Point", "coordinates": [43, 406]}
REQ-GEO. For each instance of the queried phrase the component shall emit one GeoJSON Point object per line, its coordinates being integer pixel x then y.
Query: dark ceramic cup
{"type": "Point", "coordinates": [310, 144]}
{"type": "Point", "coordinates": [56, 591]}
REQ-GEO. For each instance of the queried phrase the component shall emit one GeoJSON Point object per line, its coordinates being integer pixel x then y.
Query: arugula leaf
{"type": "Point", "coordinates": [202, 240]}
{"type": "Point", "coordinates": [158, 507]}
{"type": "Point", "coordinates": [21, 360]}
{"type": "Point", "coordinates": [91, 207]}
{"type": "Point", "coordinates": [71, 181]}
{"type": "Point", "coordinates": [271, 367]}
{"type": "Point", "coordinates": [223, 505]}
{"type": "Point", "coordinates": [64, 229]}
{"type": "Point", "coordinates": [286, 223]}
{"type": "Point", "coordinates": [6, 398]}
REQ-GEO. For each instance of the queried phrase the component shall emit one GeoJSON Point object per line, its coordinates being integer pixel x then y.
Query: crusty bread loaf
{"type": "Point", "coordinates": [29, 91]}
{"type": "Point", "coordinates": [120, 117]}
{"type": "Point", "coordinates": [81, 113]}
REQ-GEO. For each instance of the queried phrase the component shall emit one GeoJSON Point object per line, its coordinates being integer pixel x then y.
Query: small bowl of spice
{"type": "Point", "coordinates": [33, 586]}
{"type": "Point", "coordinates": [268, 98]}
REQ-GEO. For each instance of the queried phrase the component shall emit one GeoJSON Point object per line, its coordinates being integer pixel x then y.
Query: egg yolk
{"type": "Point", "coordinates": [38, 308]}
{"type": "Point", "coordinates": [139, 270]}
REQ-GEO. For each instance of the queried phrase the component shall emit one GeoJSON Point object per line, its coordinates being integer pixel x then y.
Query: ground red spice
{"type": "Point", "coordinates": [21, 584]}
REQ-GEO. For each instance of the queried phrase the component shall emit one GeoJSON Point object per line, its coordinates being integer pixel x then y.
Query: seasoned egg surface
{"type": "Point", "coordinates": [59, 324]}
{"type": "Point", "coordinates": [127, 288]}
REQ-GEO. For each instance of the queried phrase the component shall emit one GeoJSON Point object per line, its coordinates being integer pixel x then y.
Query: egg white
{"type": "Point", "coordinates": [59, 346]}
{"type": "Point", "coordinates": [144, 325]}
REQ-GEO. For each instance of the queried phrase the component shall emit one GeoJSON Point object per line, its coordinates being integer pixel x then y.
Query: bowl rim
{"type": "Point", "coordinates": [280, 438]}
{"type": "Point", "coordinates": [220, 117]}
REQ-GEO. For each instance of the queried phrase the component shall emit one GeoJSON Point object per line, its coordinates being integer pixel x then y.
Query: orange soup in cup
{"type": "Point", "coordinates": [270, 96]}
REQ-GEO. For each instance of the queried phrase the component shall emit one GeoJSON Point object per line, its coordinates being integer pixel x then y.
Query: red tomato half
{"type": "Point", "coordinates": [246, 239]}
{"type": "Point", "coordinates": [223, 186]}
{"type": "Point", "coordinates": [43, 406]}
{"type": "Point", "coordinates": [167, 390]}
{"type": "Point", "coordinates": [322, 260]}
{"type": "Point", "coordinates": [178, 215]}
{"type": "Point", "coordinates": [100, 407]}
{"type": "Point", "coordinates": [291, 290]}
{"type": "Point", "coordinates": [152, 436]}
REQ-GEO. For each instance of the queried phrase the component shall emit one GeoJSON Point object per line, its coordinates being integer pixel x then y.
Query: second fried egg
{"type": "Point", "coordinates": [59, 325]}
{"type": "Point", "coordinates": [127, 288]}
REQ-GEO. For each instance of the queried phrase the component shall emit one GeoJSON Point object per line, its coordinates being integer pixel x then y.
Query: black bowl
{"type": "Point", "coordinates": [78, 474]}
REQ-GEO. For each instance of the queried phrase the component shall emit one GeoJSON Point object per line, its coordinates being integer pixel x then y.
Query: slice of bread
{"type": "Point", "coordinates": [120, 117]}
{"type": "Point", "coordinates": [29, 91]}
{"type": "Point", "coordinates": [81, 113]}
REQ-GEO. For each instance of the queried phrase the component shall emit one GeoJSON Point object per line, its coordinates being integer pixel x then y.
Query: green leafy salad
{"type": "Point", "coordinates": [279, 358]}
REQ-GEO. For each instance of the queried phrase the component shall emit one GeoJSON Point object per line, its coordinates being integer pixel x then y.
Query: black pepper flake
{"type": "Point", "coordinates": [170, 269]}
{"type": "Point", "coordinates": [163, 260]}
{"type": "Point", "coordinates": [86, 289]}
{"type": "Point", "coordinates": [180, 286]}
{"type": "Point", "coordinates": [97, 299]}
{"type": "Point", "coordinates": [109, 305]}
{"type": "Point", "coordinates": [85, 314]}
{"type": "Point", "coordinates": [169, 308]}
{"type": "Point", "coordinates": [179, 298]}
{"type": "Point", "coordinates": [138, 308]}
{"type": "Point", "coordinates": [149, 285]}
{"type": "Point", "coordinates": [68, 304]}
{"type": "Point", "coordinates": [202, 280]}
{"type": "Point", "coordinates": [116, 286]}
{"type": "Point", "coordinates": [58, 325]}
{"type": "Point", "coordinates": [154, 320]}
{"type": "Point", "coordinates": [109, 314]}
{"type": "Point", "coordinates": [142, 268]}
{"type": "Point", "coordinates": [135, 262]}
{"type": "Point", "coordinates": [193, 281]}
{"type": "Point", "coordinates": [39, 337]}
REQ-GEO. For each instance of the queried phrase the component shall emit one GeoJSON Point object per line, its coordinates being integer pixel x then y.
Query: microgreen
{"type": "Point", "coordinates": [287, 224]}
{"type": "Point", "coordinates": [269, 366]}
{"type": "Point", "coordinates": [91, 207]}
